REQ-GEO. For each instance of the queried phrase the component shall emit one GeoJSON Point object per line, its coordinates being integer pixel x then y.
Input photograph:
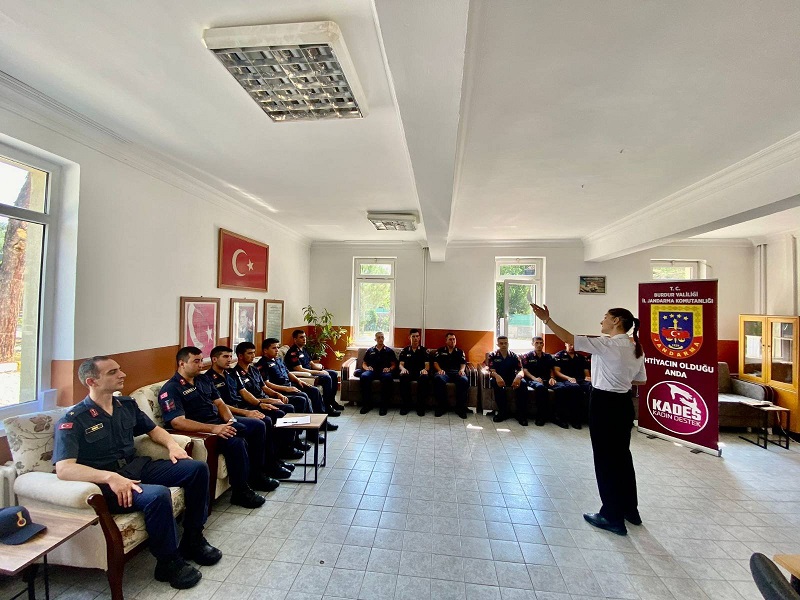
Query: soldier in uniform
{"type": "Point", "coordinates": [94, 442]}
{"type": "Point", "coordinates": [450, 365]}
{"type": "Point", "coordinates": [571, 371]}
{"type": "Point", "coordinates": [298, 358]}
{"type": "Point", "coordinates": [379, 364]}
{"type": "Point", "coordinates": [414, 366]}
{"type": "Point", "coordinates": [191, 403]}
{"type": "Point", "coordinates": [537, 366]}
{"type": "Point", "coordinates": [505, 371]}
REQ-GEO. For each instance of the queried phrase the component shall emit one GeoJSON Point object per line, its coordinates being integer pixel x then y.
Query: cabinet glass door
{"type": "Point", "coordinates": [753, 348]}
{"type": "Point", "coordinates": [782, 352]}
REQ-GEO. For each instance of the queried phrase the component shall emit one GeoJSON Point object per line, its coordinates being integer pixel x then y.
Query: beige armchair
{"type": "Point", "coordinates": [119, 537]}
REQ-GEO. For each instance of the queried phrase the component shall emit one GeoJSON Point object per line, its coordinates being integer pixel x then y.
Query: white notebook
{"type": "Point", "coordinates": [286, 421]}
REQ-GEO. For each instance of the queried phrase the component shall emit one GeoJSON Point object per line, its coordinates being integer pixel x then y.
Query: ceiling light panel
{"type": "Point", "coordinates": [293, 71]}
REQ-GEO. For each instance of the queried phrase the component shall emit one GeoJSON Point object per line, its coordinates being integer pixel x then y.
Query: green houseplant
{"type": "Point", "coordinates": [324, 335]}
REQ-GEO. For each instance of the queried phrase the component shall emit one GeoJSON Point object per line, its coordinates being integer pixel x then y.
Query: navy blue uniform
{"type": "Point", "coordinates": [329, 379]}
{"type": "Point", "coordinates": [274, 370]}
{"type": "Point", "coordinates": [573, 398]}
{"type": "Point", "coordinates": [537, 366]}
{"type": "Point", "coordinates": [414, 362]}
{"type": "Point", "coordinates": [251, 380]}
{"type": "Point", "coordinates": [378, 359]}
{"type": "Point", "coordinates": [96, 439]}
{"type": "Point", "coordinates": [507, 367]}
{"type": "Point", "coordinates": [451, 363]}
{"type": "Point", "coordinates": [244, 453]}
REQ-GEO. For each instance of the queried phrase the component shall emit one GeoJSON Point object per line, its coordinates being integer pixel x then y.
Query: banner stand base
{"type": "Point", "coordinates": [694, 447]}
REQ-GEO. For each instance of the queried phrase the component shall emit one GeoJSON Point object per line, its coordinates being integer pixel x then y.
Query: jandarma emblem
{"type": "Point", "coordinates": [676, 330]}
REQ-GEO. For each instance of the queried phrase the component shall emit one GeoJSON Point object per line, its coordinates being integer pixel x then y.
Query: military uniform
{"type": "Point", "coordinates": [378, 359]}
{"type": "Point", "coordinates": [96, 439]}
{"type": "Point", "coordinates": [414, 362]}
{"type": "Point", "coordinates": [507, 367]}
{"type": "Point", "coordinates": [244, 453]}
{"type": "Point", "coordinates": [538, 366]}
{"type": "Point", "coordinates": [252, 380]}
{"type": "Point", "coordinates": [572, 398]}
{"type": "Point", "coordinates": [451, 363]}
{"type": "Point", "coordinates": [274, 370]}
{"type": "Point", "coordinates": [329, 379]}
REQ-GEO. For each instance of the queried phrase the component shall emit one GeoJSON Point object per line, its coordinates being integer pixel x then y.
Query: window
{"type": "Point", "coordinates": [518, 282]}
{"type": "Point", "coordinates": [24, 229]}
{"type": "Point", "coordinates": [678, 269]}
{"type": "Point", "coordinates": [373, 299]}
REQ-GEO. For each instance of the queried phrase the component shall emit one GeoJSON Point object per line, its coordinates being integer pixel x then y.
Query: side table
{"type": "Point", "coordinates": [763, 437]}
{"type": "Point", "coordinates": [61, 526]}
{"type": "Point", "coordinates": [317, 422]}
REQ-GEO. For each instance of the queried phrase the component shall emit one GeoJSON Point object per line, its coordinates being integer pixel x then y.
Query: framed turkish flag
{"type": "Point", "coordinates": [243, 263]}
{"type": "Point", "coordinates": [199, 323]}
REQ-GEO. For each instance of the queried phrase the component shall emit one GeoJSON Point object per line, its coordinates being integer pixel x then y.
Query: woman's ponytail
{"type": "Point", "coordinates": [637, 345]}
{"type": "Point", "coordinates": [628, 321]}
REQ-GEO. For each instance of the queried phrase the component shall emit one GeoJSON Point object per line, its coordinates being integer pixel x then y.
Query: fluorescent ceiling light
{"type": "Point", "coordinates": [393, 221]}
{"type": "Point", "coordinates": [293, 71]}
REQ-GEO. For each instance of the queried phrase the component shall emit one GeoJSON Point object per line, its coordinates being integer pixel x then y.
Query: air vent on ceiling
{"type": "Point", "coordinates": [293, 71]}
{"type": "Point", "coordinates": [393, 221]}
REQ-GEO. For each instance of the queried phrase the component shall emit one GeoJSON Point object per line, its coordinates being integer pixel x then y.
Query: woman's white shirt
{"type": "Point", "coordinates": [614, 363]}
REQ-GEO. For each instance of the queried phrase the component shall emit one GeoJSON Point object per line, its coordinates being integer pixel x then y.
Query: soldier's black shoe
{"type": "Point", "coordinates": [633, 517]}
{"type": "Point", "coordinates": [330, 427]}
{"type": "Point", "coordinates": [577, 425]}
{"type": "Point", "coordinates": [313, 435]}
{"type": "Point", "coordinates": [382, 412]}
{"type": "Point", "coordinates": [281, 472]}
{"type": "Point", "coordinates": [286, 465]}
{"type": "Point", "coordinates": [197, 548]}
{"type": "Point", "coordinates": [332, 412]}
{"type": "Point", "coordinates": [540, 422]}
{"type": "Point", "coordinates": [499, 418]}
{"type": "Point", "coordinates": [421, 412]}
{"type": "Point", "coordinates": [600, 521]}
{"type": "Point", "coordinates": [462, 413]}
{"type": "Point", "coordinates": [263, 483]}
{"type": "Point", "coordinates": [336, 405]}
{"type": "Point", "coordinates": [180, 574]}
{"type": "Point", "coordinates": [562, 424]}
{"type": "Point", "coordinates": [293, 453]}
{"type": "Point", "coordinates": [523, 422]}
{"type": "Point", "coordinates": [439, 412]}
{"type": "Point", "coordinates": [247, 498]}
{"type": "Point", "coordinates": [365, 409]}
{"type": "Point", "coordinates": [404, 411]}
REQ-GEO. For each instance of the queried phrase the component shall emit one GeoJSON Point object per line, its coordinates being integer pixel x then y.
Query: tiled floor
{"type": "Point", "coordinates": [416, 508]}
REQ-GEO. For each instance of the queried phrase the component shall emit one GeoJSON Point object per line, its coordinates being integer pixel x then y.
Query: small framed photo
{"type": "Point", "coordinates": [273, 319]}
{"type": "Point", "coordinates": [199, 323]}
{"type": "Point", "coordinates": [242, 321]}
{"type": "Point", "coordinates": [592, 284]}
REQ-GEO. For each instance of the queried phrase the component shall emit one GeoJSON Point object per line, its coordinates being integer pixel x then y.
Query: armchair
{"type": "Point", "coordinates": [120, 536]}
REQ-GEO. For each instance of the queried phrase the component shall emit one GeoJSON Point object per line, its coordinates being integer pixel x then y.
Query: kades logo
{"type": "Point", "coordinates": [677, 407]}
{"type": "Point", "coordinates": [676, 330]}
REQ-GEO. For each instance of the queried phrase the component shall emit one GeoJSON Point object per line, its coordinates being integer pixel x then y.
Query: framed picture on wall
{"type": "Point", "coordinates": [592, 284]}
{"type": "Point", "coordinates": [199, 323]}
{"type": "Point", "coordinates": [242, 321]}
{"type": "Point", "coordinates": [273, 319]}
{"type": "Point", "coordinates": [242, 263]}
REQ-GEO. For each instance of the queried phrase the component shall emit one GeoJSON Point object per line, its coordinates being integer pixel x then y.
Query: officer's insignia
{"type": "Point", "coordinates": [167, 405]}
{"type": "Point", "coordinates": [93, 412]}
{"type": "Point", "coordinates": [676, 330]}
{"type": "Point", "coordinates": [65, 426]}
{"type": "Point", "coordinates": [183, 382]}
{"type": "Point", "coordinates": [96, 427]}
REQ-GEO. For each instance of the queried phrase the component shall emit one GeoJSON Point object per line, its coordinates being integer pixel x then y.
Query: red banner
{"type": "Point", "coordinates": [243, 263]}
{"type": "Point", "coordinates": [679, 336]}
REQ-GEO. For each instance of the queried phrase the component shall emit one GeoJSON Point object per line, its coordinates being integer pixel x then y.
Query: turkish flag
{"type": "Point", "coordinates": [243, 263]}
{"type": "Point", "coordinates": [200, 329]}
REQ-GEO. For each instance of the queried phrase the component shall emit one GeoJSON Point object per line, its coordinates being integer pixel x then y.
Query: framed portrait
{"type": "Point", "coordinates": [242, 264]}
{"type": "Point", "coordinates": [199, 323]}
{"type": "Point", "coordinates": [242, 321]}
{"type": "Point", "coordinates": [592, 284]}
{"type": "Point", "coordinates": [273, 319]}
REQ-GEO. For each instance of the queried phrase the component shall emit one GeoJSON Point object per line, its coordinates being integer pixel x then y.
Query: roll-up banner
{"type": "Point", "coordinates": [678, 331]}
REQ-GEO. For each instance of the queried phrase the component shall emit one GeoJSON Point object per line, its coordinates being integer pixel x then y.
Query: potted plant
{"type": "Point", "coordinates": [325, 334]}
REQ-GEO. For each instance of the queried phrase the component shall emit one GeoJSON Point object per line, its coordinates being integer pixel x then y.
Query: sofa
{"type": "Point", "coordinates": [351, 385]}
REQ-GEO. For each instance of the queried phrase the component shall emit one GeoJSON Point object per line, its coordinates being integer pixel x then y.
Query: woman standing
{"type": "Point", "coordinates": [617, 365]}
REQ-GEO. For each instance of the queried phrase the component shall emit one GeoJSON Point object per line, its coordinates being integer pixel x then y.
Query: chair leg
{"type": "Point", "coordinates": [115, 554]}
{"type": "Point", "coordinates": [115, 572]}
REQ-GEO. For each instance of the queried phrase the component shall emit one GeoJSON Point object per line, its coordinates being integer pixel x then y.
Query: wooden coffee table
{"type": "Point", "coordinates": [61, 526]}
{"type": "Point", "coordinates": [317, 422]}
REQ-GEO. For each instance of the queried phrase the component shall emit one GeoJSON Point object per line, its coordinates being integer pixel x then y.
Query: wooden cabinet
{"type": "Point", "coordinates": [768, 354]}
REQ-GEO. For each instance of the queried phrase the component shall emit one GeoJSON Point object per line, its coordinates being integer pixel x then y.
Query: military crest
{"type": "Point", "coordinates": [676, 330]}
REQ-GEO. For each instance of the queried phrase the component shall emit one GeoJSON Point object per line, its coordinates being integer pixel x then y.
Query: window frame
{"type": "Point", "coordinates": [537, 280]}
{"type": "Point", "coordinates": [698, 266]}
{"type": "Point", "coordinates": [358, 278]}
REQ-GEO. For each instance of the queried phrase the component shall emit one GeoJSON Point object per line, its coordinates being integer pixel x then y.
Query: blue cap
{"type": "Point", "coordinates": [16, 526]}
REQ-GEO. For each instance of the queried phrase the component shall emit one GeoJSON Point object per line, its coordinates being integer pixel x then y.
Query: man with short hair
{"type": "Point", "coordinates": [537, 367]}
{"type": "Point", "coordinates": [505, 371]}
{"type": "Point", "coordinates": [450, 364]}
{"type": "Point", "coordinates": [299, 359]}
{"type": "Point", "coordinates": [414, 366]}
{"type": "Point", "coordinates": [378, 365]}
{"type": "Point", "coordinates": [94, 443]}
{"type": "Point", "coordinates": [191, 403]}
{"type": "Point", "coordinates": [574, 386]}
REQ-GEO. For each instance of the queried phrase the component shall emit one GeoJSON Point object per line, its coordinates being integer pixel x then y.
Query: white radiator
{"type": "Point", "coordinates": [7, 476]}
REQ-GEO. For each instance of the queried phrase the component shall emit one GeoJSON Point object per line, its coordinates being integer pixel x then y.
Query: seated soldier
{"type": "Point", "coordinates": [450, 364]}
{"type": "Point", "coordinates": [191, 403]}
{"type": "Point", "coordinates": [217, 375]}
{"type": "Point", "coordinates": [299, 359]}
{"type": "Point", "coordinates": [379, 364]}
{"type": "Point", "coordinates": [94, 443]}
{"type": "Point", "coordinates": [414, 366]}
{"type": "Point", "coordinates": [537, 367]}
{"type": "Point", "coordinates": [574, 385]}
{"type": "Point", "coordinates": [505, 371]}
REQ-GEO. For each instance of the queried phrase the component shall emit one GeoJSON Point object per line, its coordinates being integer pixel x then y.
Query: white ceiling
{"type": "Point", "coordinates": [494, 120]}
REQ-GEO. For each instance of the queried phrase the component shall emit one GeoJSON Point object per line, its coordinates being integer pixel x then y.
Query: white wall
{"type": "Point", "coordinates": [460, 291]}
{"type": "Point", "coordinates": [782, 275]}
{"type": "Point", "coordinates": [142, 243]}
